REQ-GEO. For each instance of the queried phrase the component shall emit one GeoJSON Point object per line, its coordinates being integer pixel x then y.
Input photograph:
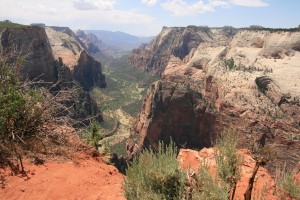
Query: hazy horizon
{"type": "Point", "coordinates": [147, 17]}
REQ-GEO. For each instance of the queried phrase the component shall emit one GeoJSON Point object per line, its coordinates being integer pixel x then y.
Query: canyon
{"type": "Point", "coordinates": [210, 79]}
{"type": "Point", "coordinates": [213, 78]}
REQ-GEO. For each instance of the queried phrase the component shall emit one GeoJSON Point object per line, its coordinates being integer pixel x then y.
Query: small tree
{"type": "Point", "coordinates": [93, 135]}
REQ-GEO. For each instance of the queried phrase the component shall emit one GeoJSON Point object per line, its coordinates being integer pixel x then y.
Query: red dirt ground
{"type": "Point", "coordinates": [84, 178]}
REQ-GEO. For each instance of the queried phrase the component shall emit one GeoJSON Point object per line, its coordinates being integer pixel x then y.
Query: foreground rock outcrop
{"type": "Point", "coordinates": [245, 79]}
{"type": "Point", "coordinates": [264, 184]}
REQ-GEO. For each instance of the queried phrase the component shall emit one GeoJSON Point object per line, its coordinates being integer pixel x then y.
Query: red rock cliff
{"type": "Point", "coordinates": [238, 81]}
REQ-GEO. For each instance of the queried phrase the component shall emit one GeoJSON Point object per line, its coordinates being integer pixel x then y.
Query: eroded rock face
{"type": "Point", "coordinates": [255, 94]}
{"type": "Point", "coordinates": [85, 69]}
{"type": "Point", "coordinates": [89, 41]}
{"type": "Point", "coordinates": [34, 45]}
{"type": "Point", "coordinates": [88, 72]}
{"type": "Point", "coordinates": [174, 110]}
{"type": "Point", "coordinates": [179, 41]}
{"type": "Point", "coordinates": [54, 54]}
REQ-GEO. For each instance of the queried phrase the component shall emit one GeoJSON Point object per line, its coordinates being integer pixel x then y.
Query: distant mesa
{"type": "Point", "coordinates": [38, 25]}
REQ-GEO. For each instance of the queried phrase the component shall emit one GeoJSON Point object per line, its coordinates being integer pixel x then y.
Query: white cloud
{"type": "Point", "coordinates": [130, 17]}
{"type": "Point", "coordinates": [149, 2]}
{"type": "Point", "coordinates": [39, 8]}
{"type": "Point", "coordinates": [81, 5]}
{"type": "Point", "coordinates": [219, 3]}
{"type": "Point", "coordinates": [250, 3]}
{"type": "Point", "coordinates": [94, 4]}
{"type": "Point", "coordinates": [181, 8]}
{"type": "Point", "coordinates": [88, 14]}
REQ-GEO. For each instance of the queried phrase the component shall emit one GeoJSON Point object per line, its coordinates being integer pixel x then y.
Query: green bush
{"type": "Point", "coordinates": [93, 135]}
{"type": "Point", "coordinates": [208, 187]}
{"type": "Point", "coordinates": [290, 186]}
{"type": "Point", "coordinates": [230, 64]}
{"type": "Point", "coordinates": [21, 110]}
{"type": "Point", "coordinates": [228, 171]}
{"type": "Point", "coordinates": [227, 160]}
{"type": "Point", "coordinates": [155, 175]}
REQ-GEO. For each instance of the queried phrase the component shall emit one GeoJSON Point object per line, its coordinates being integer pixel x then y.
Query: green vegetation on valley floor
{"type": "Point", "coordinates": [121, 101]}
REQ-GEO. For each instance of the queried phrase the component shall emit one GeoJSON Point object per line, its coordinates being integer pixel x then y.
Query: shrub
{"type": "Point", "coordinates": [26, 107]}
{"type": "Point", "coordinates": [288, 185]}
{"type": "Point", "coordinates": [22, 109]}
{"type": "Point", "coordinates": [228, 161]}
{"type": "Point", "coordinates": [208, 187]}
{"type": "Point", "coordinates": [155, 175]}
{"type": "Point", "coordinates": [93, 135]}
{"type": "Point", "coordinates": [230, 63]}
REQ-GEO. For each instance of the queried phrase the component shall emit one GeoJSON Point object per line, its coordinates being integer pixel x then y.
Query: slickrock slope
{"type": "Point", "coordinates": [85, 69]}
{"type": "Point", "coordinates": [34, 45]}
{"type": "Point", "coordinates": [263, 184]}
{"type": "Point", "coordinates": [248, 80]}
{"type": "Point", "coordinates": [64, 46]}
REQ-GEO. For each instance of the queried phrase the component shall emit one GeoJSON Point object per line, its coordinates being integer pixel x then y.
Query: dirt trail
{"type": "Point", "coordinates": [85, 178]}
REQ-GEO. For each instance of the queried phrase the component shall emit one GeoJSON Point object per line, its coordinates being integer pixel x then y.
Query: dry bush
{"type": "Point", "coordinates": [26, 107]}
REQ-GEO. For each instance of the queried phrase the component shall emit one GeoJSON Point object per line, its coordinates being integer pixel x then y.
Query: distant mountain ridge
{"type": "Point", "coordinates": [119, 40]}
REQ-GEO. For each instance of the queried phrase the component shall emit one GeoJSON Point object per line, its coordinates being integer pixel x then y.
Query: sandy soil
{"type": "Point", "coordinates": [85, 178]}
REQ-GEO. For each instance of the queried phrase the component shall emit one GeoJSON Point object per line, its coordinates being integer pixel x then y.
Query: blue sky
{"type": "Point", "coordinates": [147, 17]}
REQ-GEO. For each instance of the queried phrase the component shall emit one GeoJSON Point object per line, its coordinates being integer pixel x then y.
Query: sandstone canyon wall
{"type": "Point", "coordinates": [85, 69]}
{"type": "Point", "coordinates": [177, 41]}
{"type": "Point", "coordinates": [32, 43]}
{"type": "Point", "coordinates": [53, 54]}
{"type": "Point", "coordinates": [246, 79]}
